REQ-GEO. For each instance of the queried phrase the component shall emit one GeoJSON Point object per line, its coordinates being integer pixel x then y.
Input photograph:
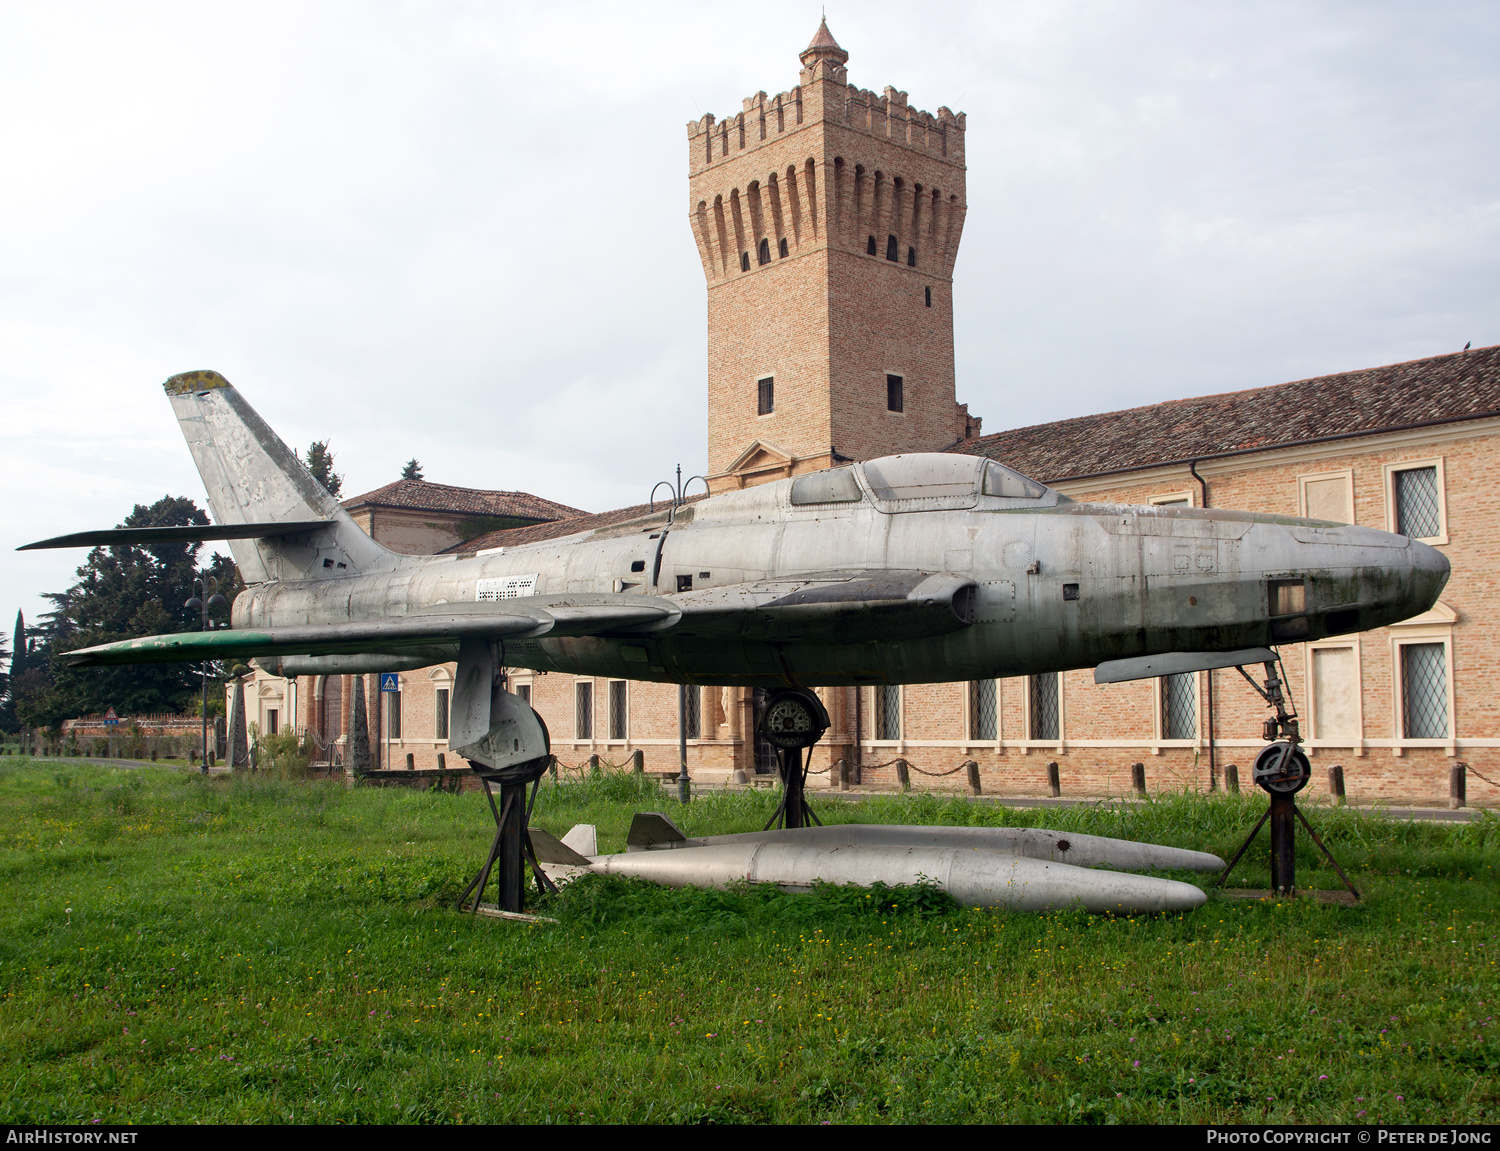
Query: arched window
{"type": "Point", "coordinates": [870, 247]}
{"type": "Point", "coordinates": [744, 261]}
{"type": "Point", "coordinates": [782, 249]}
{"type": "Point", "coordinates": [763, 253]}
{"type": "Point", "coordinates": [891, 252]}
{"type": "Point", "coordinates": [929, 297]}
{"type": "Point", "coordinates": [911, 257]}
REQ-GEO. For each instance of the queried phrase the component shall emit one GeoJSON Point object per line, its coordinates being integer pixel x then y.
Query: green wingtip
{"type": "Point", "coordinates": [200, 381]}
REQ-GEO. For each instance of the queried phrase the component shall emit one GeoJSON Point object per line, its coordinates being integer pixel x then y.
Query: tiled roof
{"type": "Point", "coordinates": [420, 495]}
{"type": "Point", "coordinates": [1443, 389]}
{"type": "Point", "coordinates": [537, 533]}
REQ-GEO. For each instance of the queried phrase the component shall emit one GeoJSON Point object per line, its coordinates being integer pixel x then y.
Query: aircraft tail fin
{"type": "Point", "coordinates": [253, 477]}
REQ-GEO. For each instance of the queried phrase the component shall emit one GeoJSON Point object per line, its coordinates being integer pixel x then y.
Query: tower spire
{"type": "Point", "coordinates": [823, 47]}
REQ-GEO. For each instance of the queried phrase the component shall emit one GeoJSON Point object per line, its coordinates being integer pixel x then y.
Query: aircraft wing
{"type": "Point", "coordinates": [386, 636]}
{"type": "Point", "coordinates": [840, 606]}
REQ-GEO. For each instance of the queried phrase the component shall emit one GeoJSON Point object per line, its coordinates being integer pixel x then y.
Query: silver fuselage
{"type": "Point", "coordinates": [1057, 585]}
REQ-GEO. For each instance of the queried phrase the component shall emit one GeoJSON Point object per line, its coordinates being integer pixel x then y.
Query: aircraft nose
{"type": "Point", "coordinates": [1430, 570]}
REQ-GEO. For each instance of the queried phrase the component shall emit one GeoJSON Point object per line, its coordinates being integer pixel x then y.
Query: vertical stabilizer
{"type": "Point", "coordinates": [252, 477]}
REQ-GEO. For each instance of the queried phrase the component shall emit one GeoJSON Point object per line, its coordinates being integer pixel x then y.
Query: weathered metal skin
{"type": "Point", "coordinates": [965, 572]}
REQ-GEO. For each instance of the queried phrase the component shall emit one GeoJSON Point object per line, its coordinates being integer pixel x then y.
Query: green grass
{"type": "Point", "coordinates": [261, 950]}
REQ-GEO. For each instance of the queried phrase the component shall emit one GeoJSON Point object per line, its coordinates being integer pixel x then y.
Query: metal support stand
{"type": "Point", "coordinates": [793, 810]}
{"type": "Point", "coordinates": [1282, 770]}
{"type": "Point", "coordinates": [511, 848]}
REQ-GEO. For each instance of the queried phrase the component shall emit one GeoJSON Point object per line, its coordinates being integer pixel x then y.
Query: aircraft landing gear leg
{"type": "Point", "coordinates": [792, 722]}
{"type": "Point", "coordinates": [506, 744]}
{"type": "Point", "coordinates": [1282, 770]}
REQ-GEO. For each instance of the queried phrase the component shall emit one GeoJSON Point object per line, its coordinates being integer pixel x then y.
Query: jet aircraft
{"type": "Point", "coordinates": [914, 568]}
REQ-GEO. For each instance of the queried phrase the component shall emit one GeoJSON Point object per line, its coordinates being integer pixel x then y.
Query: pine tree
{"type": "Point", "coordinates": [412, 470]}
{"type": "Point", "coordinates": [320, 463]}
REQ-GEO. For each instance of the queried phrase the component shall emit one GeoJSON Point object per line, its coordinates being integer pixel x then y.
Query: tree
{"type": "Point", "coordinates": [122, 592]}
{"type": "Point", "coordinates": [412, 470]}
{"type": "Point", "coordinates": [320, 463]}
{"type": "Point", "coordinates": [7, 704]}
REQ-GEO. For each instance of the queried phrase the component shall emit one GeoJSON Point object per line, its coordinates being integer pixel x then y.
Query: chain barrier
{"type": "Point", "coordinates": [1469, 767]}
{"type": "Point", "coordinates": [914, 767]}
{"type": "Point", "coordinates": [588, 765]}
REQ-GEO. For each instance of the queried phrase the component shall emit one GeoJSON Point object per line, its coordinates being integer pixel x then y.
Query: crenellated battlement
{"type": "Point", "coordinates": [824, 97]}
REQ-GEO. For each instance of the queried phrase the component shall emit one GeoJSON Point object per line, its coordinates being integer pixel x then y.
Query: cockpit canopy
{"type": "Point", "coordinates": [923, 481]}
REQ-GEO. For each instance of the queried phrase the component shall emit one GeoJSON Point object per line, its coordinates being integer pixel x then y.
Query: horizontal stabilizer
{"type": "Point", "coordinates": [1177, 662]}
{"type": "Point", "coordinates": [650, 828]}
{"type": "Point", "coordinates": [550, 849]}
{"type": "Point", "coordinates": [193, 533]}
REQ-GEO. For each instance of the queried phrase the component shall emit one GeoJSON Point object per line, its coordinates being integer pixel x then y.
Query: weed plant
{"type": "Point", "coordinates": [253, 949]}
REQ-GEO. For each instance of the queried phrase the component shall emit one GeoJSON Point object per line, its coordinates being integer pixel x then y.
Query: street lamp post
{"type": "Point", "coordinates": [678, 490]}
{"type": "Point", "coordinates": [200, 604]}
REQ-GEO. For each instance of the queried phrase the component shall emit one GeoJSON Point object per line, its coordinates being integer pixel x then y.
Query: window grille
{"type": "Point", "coordinates": [1179, 706]}
{"type": "Point", "coordinates": [618, 709]}
{"type": "Point", "coordinates": [523, 690]}
{"type": "Point", "coordinates": [1417, 513]}
{"type": "Point", "coordinates": [887, 712]}
{"type": "Point", "coordinates": [440, 713]}
{"type": "Point", "coordinates": [393, 714]}
{"type": "Point", "coordinates": [983, 712]}
{"type": "Point", "coordinates": [1045, 718]}
{"type": "Point", "coordinates": [1424, 690]}
{"type": "Point", "coordinates": [693, 712]}
{"type": "Point", "coordinates": [583, 709]}
{"type": "Point", "coordinates": [895, 401]}
{"type": "Point", "coordinates": [766, 396]}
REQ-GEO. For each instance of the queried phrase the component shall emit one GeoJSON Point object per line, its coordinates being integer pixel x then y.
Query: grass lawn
{"type": "Point", "coordinates": [180, 949]}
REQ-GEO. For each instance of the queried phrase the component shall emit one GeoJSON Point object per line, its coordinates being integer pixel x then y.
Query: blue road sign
{"type": "Point", "coordinates": [390, 681]}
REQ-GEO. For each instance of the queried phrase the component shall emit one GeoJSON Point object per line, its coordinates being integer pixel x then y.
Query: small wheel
{"type": "Point", "coordinates": [1285, 776]}
{"type": "Point", "coordinates": [793, 719]}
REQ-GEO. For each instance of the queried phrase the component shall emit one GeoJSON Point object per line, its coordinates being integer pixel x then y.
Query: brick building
{"type": "Point", "coordinates": [827, 220]}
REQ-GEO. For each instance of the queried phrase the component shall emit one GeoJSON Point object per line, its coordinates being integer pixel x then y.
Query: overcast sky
{"type": "Point", "coordinates": [459, 231]}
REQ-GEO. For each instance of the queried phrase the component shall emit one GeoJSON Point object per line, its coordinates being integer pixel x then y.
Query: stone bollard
{"type": "Point", "coordinates": [192, 756]}
{"type": "Point", "coordinates": [1458, 785]}
{"type": "Point", "coordinates": [638, 761]}
{"type": "Point", "coordinates": [1054, 780]}
{"type": "Point", "coordinates": [1336, 783]}
{"type": "Point", "coordinates": [593, 765]}
{"type": "Point", "coordinates": [153, 755]}
{"type": "Point", "coordinates": [411, 761]}
{"type": "Point", "coordinates": [552, 767]}
{"type": "Point", "coordinates": [1231, 778]}
{"type": "Point", "coordinates": [903, 775]}
{"type": "Point", "coordinates": [442, 762]}
{"type": "Point", "coordinates": [1138, 778]}
{"type": "Point", "coordinates": [973, 770]}
{"type": "Point", "coordinates": [843, 770]}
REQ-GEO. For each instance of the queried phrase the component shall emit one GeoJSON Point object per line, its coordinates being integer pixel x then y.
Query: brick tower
{"type": "Point", "coordinates": [827, 219]}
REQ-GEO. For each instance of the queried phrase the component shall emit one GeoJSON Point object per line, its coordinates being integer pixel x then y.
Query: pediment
{"type": "Point", "coordinates": [761, 456]}
{"type": "Point", "coordinates": [1439, 614]}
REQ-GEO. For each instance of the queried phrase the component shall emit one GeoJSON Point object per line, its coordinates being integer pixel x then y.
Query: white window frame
{"type": "Point", "coordinates": [441, 679]}
{"type": "Point", "coordinates": [609, 691]}
{"type": "Point", "coordinates": [1060, 743]}
{"type": "Point", "coordinates": [1345, 474]}
{"type": "Point", "coordinates": [1390, 471]}
{"type": "Point", "coordinates": [592, 736]}
{"type": "Point", "coordinates": [969, 738]}
{"type": "Point", "coordinates": [1187, 497]}
{"type": "Point", "coordinates": [900, 741]}
{"type": "Point", "coordinates": [1432, 626]}
{"type": "Point", "coordinates": [1159, 740]}
{"type": "Point", "coordinates": [1315, 740]}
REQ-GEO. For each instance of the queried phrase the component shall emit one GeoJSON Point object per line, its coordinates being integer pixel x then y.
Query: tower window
{"type": "Point", "coordinates": [763, 253]}
{"type": "Point", "coordinates": [929, 297]}
{"type": "Point", "coordinates": [870, 247]}
{"type": "Point", "coordinates": [744, 261]}
{"type": "Point", "coordinates": [783, 249]}
{"type": "Point", "coordinates": [891, 251]}
{"type": "Point", "coordinates": [895, 401]}
{"type": "Point", "coordinates": [766, 396]}
{"type": "Point", "coordinates": [911, 257]}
